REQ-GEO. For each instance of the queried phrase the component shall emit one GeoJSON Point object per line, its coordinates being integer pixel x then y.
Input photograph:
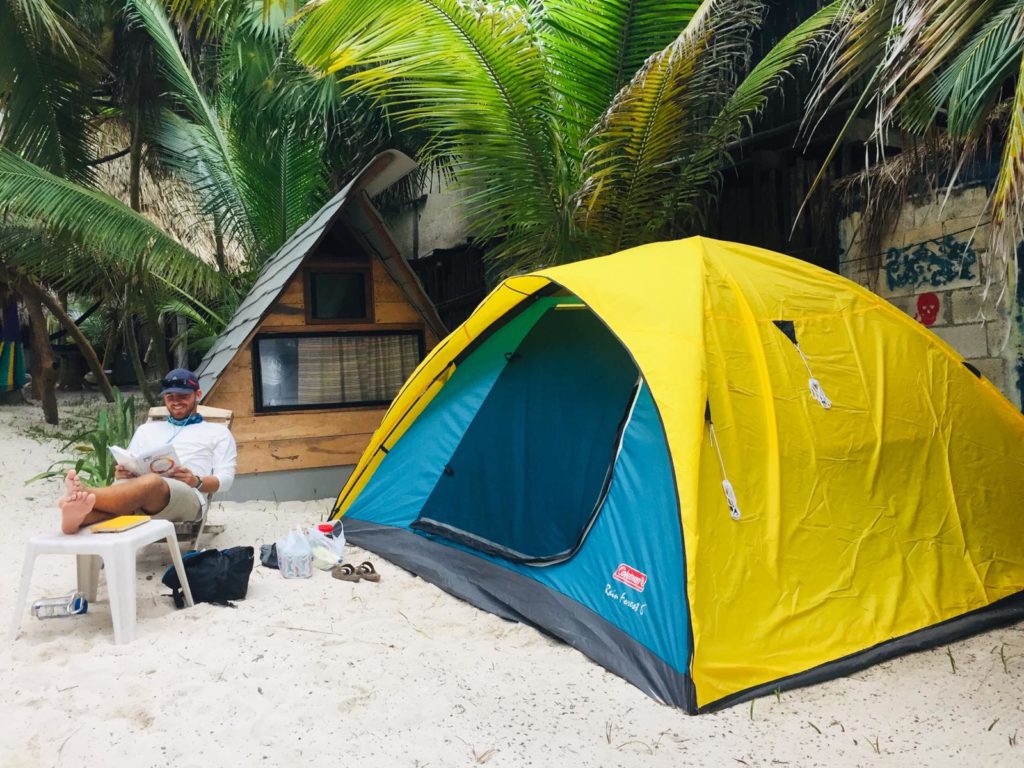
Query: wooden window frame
{"type": "Point", "coordinates": [257, 375]}
{"type": "Point", "coordinates": [335, 268]}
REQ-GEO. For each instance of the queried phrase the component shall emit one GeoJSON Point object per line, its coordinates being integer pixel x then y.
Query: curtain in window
{"type": "Point", "coordinates": [352, 369]}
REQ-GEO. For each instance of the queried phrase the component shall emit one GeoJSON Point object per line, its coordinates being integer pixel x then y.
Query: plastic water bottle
{"type": "Point", "coordinates": [59, 607]}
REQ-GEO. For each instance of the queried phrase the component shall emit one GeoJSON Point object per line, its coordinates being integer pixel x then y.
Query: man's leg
{"type": "Point", "coordinates": [80, 506]}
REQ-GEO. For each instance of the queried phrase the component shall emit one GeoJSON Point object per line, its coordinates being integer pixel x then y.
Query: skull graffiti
{"type": "Point", "coordinates": [928, 305]}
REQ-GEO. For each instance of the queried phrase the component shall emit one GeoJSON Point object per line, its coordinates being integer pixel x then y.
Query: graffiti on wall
{"type": "Point", "coordinates": [934, 263]}
{"type": "Point", "coordinates": [928, 306]}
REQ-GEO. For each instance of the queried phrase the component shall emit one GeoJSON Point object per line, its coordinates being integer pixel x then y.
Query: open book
{"type": "Point", "coordinates": [160, 460]}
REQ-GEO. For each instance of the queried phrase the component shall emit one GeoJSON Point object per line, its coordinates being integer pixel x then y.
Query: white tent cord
{"type": "Point", "coordinates": [815, 386]}
{"type": "Point", "coordinates": [730, 494]}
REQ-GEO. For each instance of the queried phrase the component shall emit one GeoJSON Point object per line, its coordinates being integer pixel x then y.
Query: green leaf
{"type": "Point", "coordinates": [650, 152]}
{"type": "Point", "coordinates": [470, 75]}
{"type": "Point", "coordinates": [96, 221]}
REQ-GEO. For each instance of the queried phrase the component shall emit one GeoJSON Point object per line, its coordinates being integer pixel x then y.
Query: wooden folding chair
{"type": "Point", "coordinates": [189, 532]}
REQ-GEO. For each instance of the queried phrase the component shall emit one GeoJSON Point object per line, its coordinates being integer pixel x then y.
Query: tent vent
{"type": "Point", "coordinates": [972, 369]}
{"type": "Point", "coordinates": [788, 329]}
{"type": "Point", "coordinates": [730, 494]}
{"type": "Point", "coordinates": [786, 326]}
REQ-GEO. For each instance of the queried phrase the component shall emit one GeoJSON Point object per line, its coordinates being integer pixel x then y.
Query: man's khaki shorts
{"type": "Point", "coordinates": [184, 504]}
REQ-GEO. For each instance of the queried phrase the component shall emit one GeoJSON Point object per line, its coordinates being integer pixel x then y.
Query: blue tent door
{"type": "Point", "coordinates": [528, 476]}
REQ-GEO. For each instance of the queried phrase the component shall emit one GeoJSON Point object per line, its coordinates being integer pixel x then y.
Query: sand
{"type": "Point", "coordinates": [329, 673]}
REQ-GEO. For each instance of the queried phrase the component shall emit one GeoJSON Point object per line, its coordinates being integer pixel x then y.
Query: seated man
{"type": "Point", "coordinates": [207, 453]}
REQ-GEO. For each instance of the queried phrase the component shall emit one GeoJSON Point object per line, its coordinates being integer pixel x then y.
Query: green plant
{"type": "Point", "coordinates": [115, 425]}
{"type": "Point", "coordinates": [575, 128]}
{"type": "Point", "coordinates": [935, 65]}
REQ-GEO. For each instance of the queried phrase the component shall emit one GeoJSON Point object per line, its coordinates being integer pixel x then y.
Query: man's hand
{"type": "Point", "coordinates": [120, 473]}
{"type": "Point", "coordinates": [184, 474]}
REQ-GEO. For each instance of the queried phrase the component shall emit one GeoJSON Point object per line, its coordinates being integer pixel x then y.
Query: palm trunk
{"type": "Point", "coordinates": [26, 287]}
{"type": "Point", "coordinates": [135, 164]}
{"type": "Point", "coordinates": [156, 334]}
{"type": "Point", "coordinates": [218, 238]}
{"type": "Point", "coordinates": [133, 354]}
{"type": "Point", "coordinates": [44, 373]}
{"type": "Point", "coordinates": [150, 315]}
{"type": "Point", "coordinates": [181, 350]}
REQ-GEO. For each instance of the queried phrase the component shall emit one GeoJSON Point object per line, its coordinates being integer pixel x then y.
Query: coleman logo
{"type": "Point", "coordinates": [631, 577]}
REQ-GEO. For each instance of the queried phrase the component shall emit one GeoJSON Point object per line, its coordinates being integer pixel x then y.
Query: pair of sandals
{"type": "Point", "coordinates": [362, 572]}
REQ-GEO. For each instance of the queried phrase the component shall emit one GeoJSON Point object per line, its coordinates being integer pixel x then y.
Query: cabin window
{"type": "Point", "coordinates": [294, 371]}
{"type": "Point", "coordinates": [339, 293]}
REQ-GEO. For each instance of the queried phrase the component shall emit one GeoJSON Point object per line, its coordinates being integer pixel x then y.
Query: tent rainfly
{"type": "Point", "coordinates": [716, 470]}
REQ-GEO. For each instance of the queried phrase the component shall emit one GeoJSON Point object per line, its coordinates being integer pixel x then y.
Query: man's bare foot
{"type": "Point", "coordinates": [74, 508]}
{"type": "Point", "coordinates": [72, 483]}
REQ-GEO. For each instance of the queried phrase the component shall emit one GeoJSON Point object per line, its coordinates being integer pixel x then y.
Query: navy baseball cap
{"type": "Point", "coordinates": [180, 381]}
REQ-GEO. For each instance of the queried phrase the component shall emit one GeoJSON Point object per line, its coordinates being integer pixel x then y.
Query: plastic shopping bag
{"type": "Point", "coordinates": [294, 556]}
{"type": "Point", "coordinates": [328, 548]}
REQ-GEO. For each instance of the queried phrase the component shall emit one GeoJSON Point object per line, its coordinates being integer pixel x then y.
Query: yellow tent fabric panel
{"type": "Point", "coordinates": [860, 523]}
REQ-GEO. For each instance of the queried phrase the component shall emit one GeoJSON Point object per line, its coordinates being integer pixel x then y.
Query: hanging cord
{"type": "Point", "coordinates": [815, 386]}
{"type": "Point", "coordinates": [730, 494]}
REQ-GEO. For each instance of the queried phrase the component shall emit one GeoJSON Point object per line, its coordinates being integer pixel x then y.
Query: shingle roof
{"type": "Point", "coordinates": [383, 171]}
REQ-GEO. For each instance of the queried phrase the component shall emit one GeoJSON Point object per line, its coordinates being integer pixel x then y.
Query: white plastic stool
{"type": "Point", "coordinates": [118, 551]}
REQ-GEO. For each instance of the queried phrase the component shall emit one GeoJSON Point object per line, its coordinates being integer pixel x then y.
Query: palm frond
{"type": "Point", "coordinates": [969, 86]}
{"type": "Point", "coordinates": [469, 75]}
{"type": "Point", "coordinates": [1008, 195]}
{"type": "Point", "coordinates": [284, 181]}
{"type": "Point", "coordinates": [194, 154]}
{"type": "Point", "coordinates": [96, 221]}
{"type": "Point", "coordinates": [594, 49]}
{"type": "Point", "coordinates": [44, 20]}
{"type": "Point", "coordinates": [58, 262]}
{"type": "Point", "coordinates": [903, 52]}
{"type": "Point", "coordinates": [47, 72]}
{"type": "Point", "coordinates": [216, 146]}
{"type": "Point", "coordinates": [638, 155]}
{"type": "Point", "coordinates": [925, 43]}
{"type": "Point", "coordinates": [214, 17]}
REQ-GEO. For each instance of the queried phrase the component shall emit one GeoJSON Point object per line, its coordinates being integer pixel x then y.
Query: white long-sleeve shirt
{"type": "Point", "coordinates": [205, 448]}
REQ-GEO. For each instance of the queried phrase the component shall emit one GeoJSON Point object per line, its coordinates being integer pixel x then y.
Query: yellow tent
{"type": "Point", "coordinates": [715, 469]}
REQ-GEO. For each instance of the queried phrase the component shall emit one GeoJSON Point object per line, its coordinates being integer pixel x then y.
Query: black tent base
{"type": "Point", "coordinates": [518, 598]}
{"type": "Point", "coordinates": [515, 597]}
{"type": "Point", "coordinates": [1001, 613]}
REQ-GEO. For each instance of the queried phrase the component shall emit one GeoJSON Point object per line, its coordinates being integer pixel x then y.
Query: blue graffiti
{"type": "Point", "coordinates": [934, 263]}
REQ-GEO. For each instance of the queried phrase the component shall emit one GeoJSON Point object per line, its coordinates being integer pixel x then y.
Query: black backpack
{"type": "Point", "coordinates": [214, 576]}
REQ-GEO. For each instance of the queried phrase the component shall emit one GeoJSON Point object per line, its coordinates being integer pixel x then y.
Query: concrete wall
{"type": "Point", "coordinates": [436, 221]}
{"type": "Point", "coordinates": [937, 267]}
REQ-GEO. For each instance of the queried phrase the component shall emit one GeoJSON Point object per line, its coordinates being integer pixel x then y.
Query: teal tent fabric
{"type": "Point", "coordinates": [533, 465]}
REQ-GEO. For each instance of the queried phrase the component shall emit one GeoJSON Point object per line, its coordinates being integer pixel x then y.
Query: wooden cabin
{"type": "Point", "coordinates": [330, 331]}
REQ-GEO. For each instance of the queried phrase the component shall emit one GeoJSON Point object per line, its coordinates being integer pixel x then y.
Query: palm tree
{"type": "Point", "coordinates": [577, 128]}
{"type": "Point", "coordinates": [255, 136]}
{"type": "Point", "coordinates": [950, 69]}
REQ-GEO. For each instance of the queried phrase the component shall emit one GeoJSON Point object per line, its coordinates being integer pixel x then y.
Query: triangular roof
{"type": "Point", "coordinates": [383, 171]}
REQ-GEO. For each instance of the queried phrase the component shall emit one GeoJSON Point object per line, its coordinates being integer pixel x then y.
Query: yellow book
{"type": "Point", "coordinates": [122, 523]}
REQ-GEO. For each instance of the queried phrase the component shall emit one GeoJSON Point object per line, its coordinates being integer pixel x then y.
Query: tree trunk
{"type": "Point", "coordinates": [181, 350]}
{"type": "Point", "coordinates": [135, 164]}
{"type": "Point", "coordinates": [218, 239]}
{"type": "Point", "coordinates": [44, 373]}
{"type": "Point", "coordinates": [156, 332]}
{"type": "Point", "coordinates": [26, 287]}
{"type": "Point", "coordinates": [133, 353]}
